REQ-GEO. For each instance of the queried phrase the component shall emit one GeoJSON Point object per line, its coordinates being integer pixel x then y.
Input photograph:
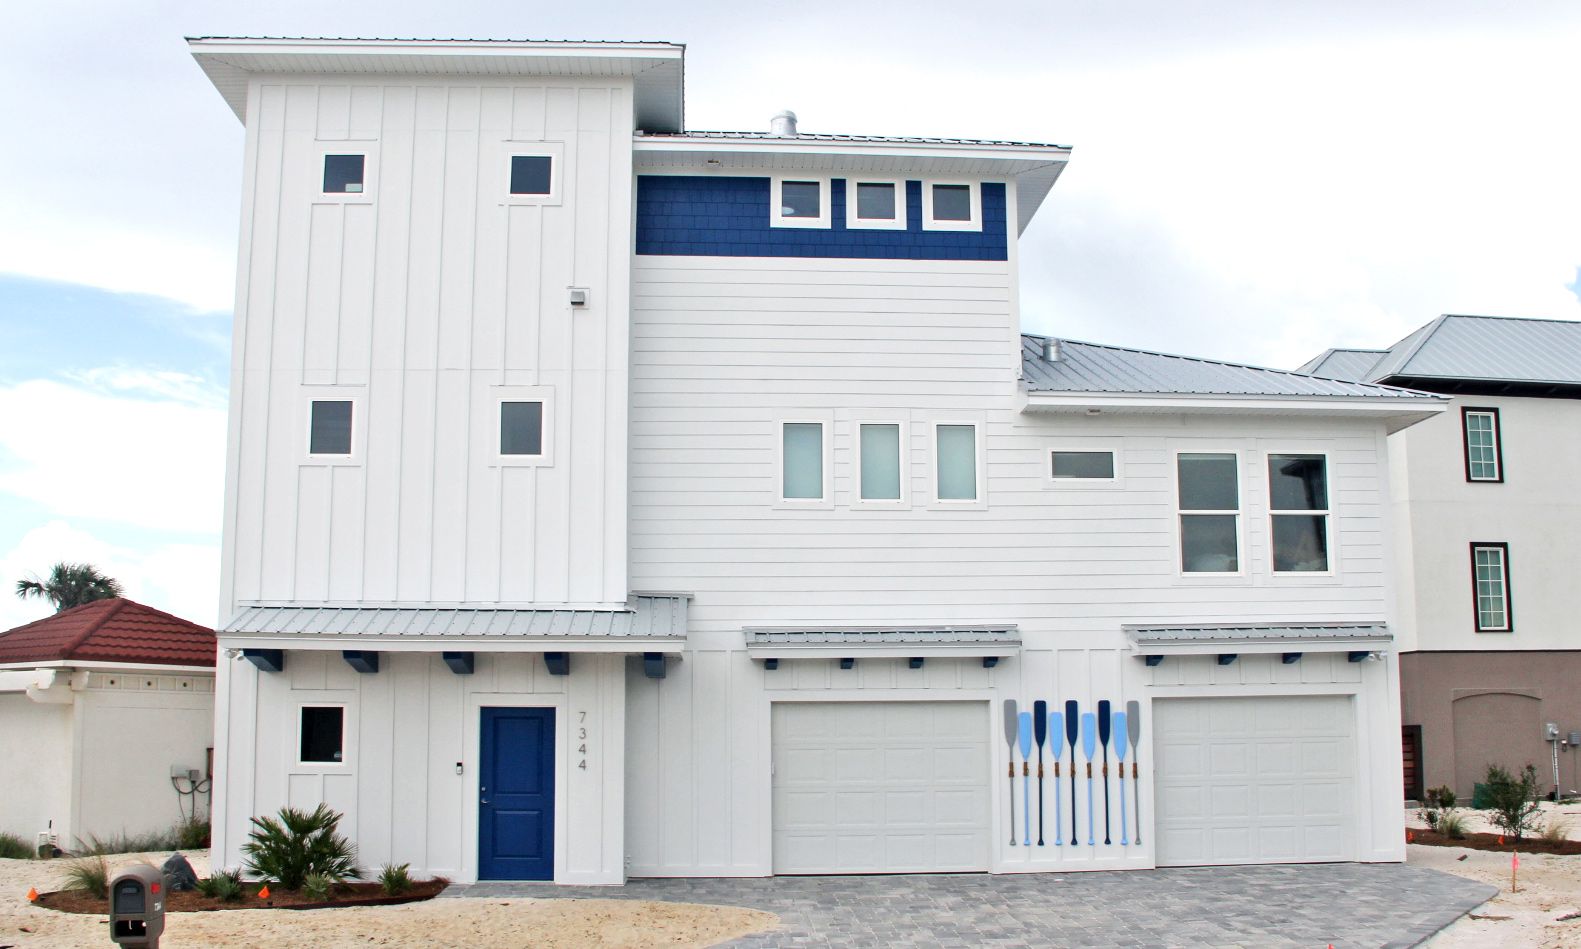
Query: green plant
{"type": "Point", "coordinates": [1437, 803]}
{"type": "Point", "coordinates": [1556, 830]}
{"type": "Point", "coordinates": [224, 885]}
{"type": "Point", "coordinates": [317, 886]}
{"type": "Point", "coordinates": [90, 875]}
{"type": "Point", "coordinates": [13, 847]}
{"type": "Point", "coordinates": [1513, 800]}
{"type": "Point", "coordinates": [395, 879]}
{"type": "Point", "coordinates": [69, 585]}
{"type": "Point", "coordinates": [296, 844]}
{"type": "Point", "coordinates": [191, 834]}
{"type": "Point", "coordinates": [1452, 825]}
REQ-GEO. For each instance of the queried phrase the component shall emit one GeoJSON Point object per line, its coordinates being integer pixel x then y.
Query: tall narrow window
{"type": "Point", "coordinates": [1490, 571]}
{"type": "Point", "coordinates": [801, 460]}
{"type": "Point", "coordinates": [1298, 505]}
{"type": "Point", "coordinates": [521, 428]}
{"type": "Point", "coordinates": [880, 461]}
{"type": "Point", "coordinates": [955, 458]}
{"type": "Point", "coordinates": [343, 173]}
{"type": "Point", "coordinates": [1210, 509]}
{"type": "Point", "coordinates": [330, 428]}
{"type": "Point", "coordinates": [1484, 455]}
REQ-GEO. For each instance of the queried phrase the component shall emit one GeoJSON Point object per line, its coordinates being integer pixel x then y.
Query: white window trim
{"type": "Point", "coordinates": [347, 741]}
{"type": "Point", "coordinates": [804, 504]}
{"type": "Point", "coordinates": [976, 192]}
{"type": "Point", "coordinates": [1110, 445]}
{"type": "Point", "coordinates": [497, 397]}
{"type": "Point", "coordinates": [1498, 449]}
{"type": "Point", "coordinates": [1504, 586]}
{"type": "Point", "coordinates": [897, 223]}
{"type": "Point", "coordinates": [777, 219]}
{"type": "Point", "coordinates": [1178, 550]}
{"type": "Point", "coordinates": [957, 504]}
{"type": "Point", "coordinates": [359, 428]}
{"type": "Point", "coordinates": [554, 151]}
{"type": "Point", "coordinates": [878, 504]}
{"type": "Point", "coordinates": [370, 172]}
{"type": "Point", "coordinates": [1329, 514]}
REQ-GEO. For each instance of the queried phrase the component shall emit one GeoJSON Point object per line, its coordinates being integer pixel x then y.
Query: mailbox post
{"type": "Point", "coordinates": [137, 907]}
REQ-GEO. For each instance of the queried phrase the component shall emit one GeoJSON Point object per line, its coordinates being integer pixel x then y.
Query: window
{"type": "Point", "coordinates": [323, 733]}
{"type": "Point", "coordinates": [799, 202]}
{"type": "Point", "coordinates": [1298, 506]}
{"type": "Point", "coordinates": [532, 174]}
{"type": "Point", "coordinates": [343, 174]}
{"type": "Point", "coordinates": [329, 428]}
{"type": "Point", "coordinates": [875, 204]}
{"type": "Point", "coordinates": [1210, 509]}
{"type": "Point", "coordinates": [801, 461]}
{"type": "Point", "coordinates": [951, 206]}
{"type": "Point", "coordinates": [1082, 465]}
{"type": "Point", "coordinates": [879, 461]}
{"type": "Point", "coordinates": [521, 428]}
{"type": "Point", "coordinates": [1484, 455]}
{"type": "Point", "coordinates": [1490, 579]}
{"type": "Point", "coordinates": [955, 461]}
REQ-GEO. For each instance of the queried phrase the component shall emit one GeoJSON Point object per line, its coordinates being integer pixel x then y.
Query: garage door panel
{"type": "Point", "coordinates": [1181, 761]}
{"type": "Point", "coordinates": [1230, 800]}
{"type": "Point", "coordinates": [1229, 758]}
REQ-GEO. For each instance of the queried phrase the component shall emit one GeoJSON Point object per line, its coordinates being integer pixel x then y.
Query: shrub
{"type": "Point", "coordinates": [1513, 800]}
{"type": "Point", "coordinates": [191, 834]}
{"type": "Point", "coordinates": [1437, 804]}
{"type": "Point", "coordinates": [90, 875]}
{"type": "Point", "coordinates": [317, 886]}
{"type": "Point", "coordinates": [395, 879]}
{"type": "Point", "coordinates": [1556, 830]}
{"type": "Point", "coordinates": [1452, 825]}
{"type": "Point", "coordinates": [224, 885]}
{"type": "Point", "coordinates": [13, 847]}
{"type": "Point", "coordinates": [288, 849]}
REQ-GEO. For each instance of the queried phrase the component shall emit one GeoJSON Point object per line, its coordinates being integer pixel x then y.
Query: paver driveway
{"type": "Point", "coordinates": [1347, 904]}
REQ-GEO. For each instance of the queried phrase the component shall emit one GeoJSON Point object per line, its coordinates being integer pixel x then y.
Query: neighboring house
{"type": "Point", "coordinates": [1489, 528]}
{"type": "Point", "coordinates": [606, 498]}
{"type": "Point", "coordinates": [99, 704]}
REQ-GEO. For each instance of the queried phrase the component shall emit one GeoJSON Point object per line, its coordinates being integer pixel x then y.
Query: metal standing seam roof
{"type": "Point", "coordinates": [646, 617]}
{"type": "Point", "coordinates": [853, 139]}
{"type": "Point", "coordinates": [1487, 348]}
{"type": "Point", "coordinates": [1332, 632]}
{"type": "Point", "coordinates": [759, 636]}
{"type": "Point", "coordinates": [1347, 365]}
{"type": "Point", "coordinates": [1091, 367]}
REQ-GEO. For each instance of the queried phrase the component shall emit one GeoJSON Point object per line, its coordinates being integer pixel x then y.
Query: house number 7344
{"type": "Point", "coordinates": [581, 740]}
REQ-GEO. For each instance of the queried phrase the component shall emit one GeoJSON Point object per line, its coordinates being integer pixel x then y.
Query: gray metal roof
{"type": "Point", "coordinates": [1090, 367]}
{"type": "Point", "coordinates": [1487, 348]}
{"type": "Point", "coordinates": [874, 139]}
{"type": "Point", "coordinates": [1232, 634]}
{"type": "Point", "coordinates": [646, 617]}
{"type": "Point", "coordinates": [1349, 365]}
{"type": "Point", "coordinates": [867, 636]}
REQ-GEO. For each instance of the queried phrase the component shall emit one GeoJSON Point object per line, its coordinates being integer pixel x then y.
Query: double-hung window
{"type": "Point", "coordinates": [1480, 433]}
{"type": "Point", "coordinates": [1490, 578]}
{"type": "Point", "coordinates": [1298, 507]}
{"type": "Point", "coordinates": [1210, 512]}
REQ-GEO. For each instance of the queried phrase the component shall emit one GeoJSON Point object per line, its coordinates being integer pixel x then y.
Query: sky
{"type": "Point", "coordinates": [1254, 181]}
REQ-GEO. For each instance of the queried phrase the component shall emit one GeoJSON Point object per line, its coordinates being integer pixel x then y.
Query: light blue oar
{"type": "Point", "coordinates": [1025, 738]}
{"type": "Point", "coordinates": [1089, 747]}
{"type": "Point", "coordinates": [1119, 752]}
{"type": "Point", "coordinates": [1057, 728]}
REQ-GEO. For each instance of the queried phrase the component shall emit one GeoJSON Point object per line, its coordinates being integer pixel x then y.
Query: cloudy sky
{"type": "Point", "coordinates": [1252, 180]}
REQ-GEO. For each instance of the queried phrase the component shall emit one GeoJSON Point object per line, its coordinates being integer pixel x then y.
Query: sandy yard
{"type": "Point", "coordinates": [469, 923]}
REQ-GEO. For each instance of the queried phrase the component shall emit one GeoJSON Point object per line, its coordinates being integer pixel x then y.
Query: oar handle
{"type": "Point", "coordinates": [1024, 770]}
{"type": "Point", "coordinates": [1089, 770]}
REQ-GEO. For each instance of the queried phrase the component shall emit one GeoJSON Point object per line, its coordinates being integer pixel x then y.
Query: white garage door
{"type": "Point", "coordinates": [1255, 780]}
{"type": "Point", "coordinates": [880, 787]}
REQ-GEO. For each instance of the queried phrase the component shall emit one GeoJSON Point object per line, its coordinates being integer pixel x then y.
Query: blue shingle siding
{"type": "Point", "coordinates": [697, 216]}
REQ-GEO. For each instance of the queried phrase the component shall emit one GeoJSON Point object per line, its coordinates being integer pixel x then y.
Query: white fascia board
{"type": "Point", "coordinates": [1399, 413]}
{"type": "Point", "coordinates": [1025, 157]}
{"type": "Point", "coordinates": [633, 645]}
{"type": "Point", "coordinates": [242, 46]}
{"type": "Point", "coordinates": [121, 667]}
{"type": "Point", "coordinates": [1202, 647]}
{"type": "Point", "coordinates": [897, 651]}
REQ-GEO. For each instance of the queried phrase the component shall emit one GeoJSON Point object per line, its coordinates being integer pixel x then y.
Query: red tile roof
{"type": "Point", "coordinates": [115, 630]}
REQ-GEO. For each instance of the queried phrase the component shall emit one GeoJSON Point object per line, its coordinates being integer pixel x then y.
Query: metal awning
{"type": "Point", "coordinates": [1209, 640]}
{"type": "Point", "coordinates": [881, 642]}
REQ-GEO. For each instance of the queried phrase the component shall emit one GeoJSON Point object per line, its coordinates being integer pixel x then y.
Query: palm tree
{"type": "Point", "coordinates": [69, 585]}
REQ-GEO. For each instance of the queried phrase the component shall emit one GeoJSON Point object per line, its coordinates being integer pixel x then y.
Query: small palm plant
{"type": "Point", "coordinates": [297, 843]}
{"type": "Point", "coordinates": [395, 879]}
{"type": "Point", "coordinates": [69, 585]}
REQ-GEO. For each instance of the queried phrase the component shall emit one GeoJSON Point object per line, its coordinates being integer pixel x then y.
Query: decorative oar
{"type": "Point", "coordinates": [1072, 733]}
{"type": "Point", "coordinates": [1056, 729]}
{"type": "Point", "coordinates": [1040, 732]}
{"type": "Point", "coordinates": [1012, 731]}
{"type": "Point", "coordinates": [1025, 735]}
{"type": "Point", "coordinates": [1133, 728]}
{"type": "Point", "coordinates": [1089, 746]}
{"type": "Point", "coordinates": [1103, 739]}
{"type": "Point", "coordinates": [1119, 753]}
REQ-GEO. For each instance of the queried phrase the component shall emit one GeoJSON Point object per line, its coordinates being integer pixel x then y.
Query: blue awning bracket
{"type": "Point", "coordinates": [1225, 658]}
{"type": "Point", "coordinates": [267, 660]}
{"type": "Point", "coordinates": [365, 661]}
{"type": "Point", "coordinates": [558, 663]}
{"type": "Point", "coordinates": [1357, 655]}
{"type": "Point", "coordinates": [990, 661]}
{"type": "Point", "coordinates": [1152, 660]}
{"type": "Point", "coordinates": [653, 664]}
{"type": "Point", "coordinates": [771, 664]}
{"type": "Point", "coordinates": [461, 663]}
{"type": "Point", "coordinates": [848, 663]}
{"type": "Point", "coordinates": [915, 662]}
{"type": "Point", "coordinates": [1290, 657]}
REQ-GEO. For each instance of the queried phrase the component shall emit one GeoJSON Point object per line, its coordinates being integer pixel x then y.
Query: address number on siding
{"type": "Point", "coordinates": [581, 738]}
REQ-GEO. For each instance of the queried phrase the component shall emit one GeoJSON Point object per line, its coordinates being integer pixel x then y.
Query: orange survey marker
{"type": "Point", "coordinates": [32, 895]}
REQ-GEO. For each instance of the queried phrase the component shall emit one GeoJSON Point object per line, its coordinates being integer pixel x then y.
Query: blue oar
{"type": "Point", "coordinates": [1025, 736]}
{"type": "Point", "coordinates": [1072, 732]}
{"type": "Point", "coordinates": [1119, 753]}
{"type": "Point", "coordinates": [1089, 745]}
{"type": "Point", "coordinates": [1012, 728]}
{"type": "Point", "coordinates": [1057, 728]}
{"type": "Point", "coordinates": [1040, 731]}
{"type": "Point", "coordinates": [1133, 728]}
{"type": "Point", "coordinates": [1103, 739]}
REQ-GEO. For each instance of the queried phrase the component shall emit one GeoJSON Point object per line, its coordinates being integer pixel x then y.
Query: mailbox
{"type": "Point", "coordinates": [137, 907]}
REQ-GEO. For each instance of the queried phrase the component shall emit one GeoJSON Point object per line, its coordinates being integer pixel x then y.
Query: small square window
{"type": "Point", "coordinates": [952, 202]}
{"type": "Point", "coordinates": [532, 174]}
{"type": "Point", "coordinates": [323, 734]}
{"type": "Point", "coordinates": [801, 199]}
{"type": "Point", "coordinates": [521, 428]}
{"type": "Point", "coordinates": [343, 174]}
{"type": "Point", "coordinates": [875, 200]}
{"type": "Point", "coordinates": [330, 428]}
{"type": "Point", "coordinates": [1083, 465]}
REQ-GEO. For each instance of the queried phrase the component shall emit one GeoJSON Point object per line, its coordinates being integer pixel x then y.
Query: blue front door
{"type": "Point", "coordinates": [516, 795]}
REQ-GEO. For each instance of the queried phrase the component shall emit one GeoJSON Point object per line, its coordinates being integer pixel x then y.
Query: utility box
{"type": "Point", "coordinates": [137, 907]}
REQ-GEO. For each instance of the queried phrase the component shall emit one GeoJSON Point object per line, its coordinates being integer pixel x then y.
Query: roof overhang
{"type": "Point", "coordinates": [656, 68]}
{"type": "Point", "coordinates": [1395, 413]}
{"type": "Point", "coordinates": [1032, 168]}
{"type": "Point", "coordinates": [630, 645]}
{"type": "Point", "coordinates": [1272, 638]}
{"type": "Point", "coordinates": [103, 666]}
{"type": "Point", "coordinates": [882, 642]}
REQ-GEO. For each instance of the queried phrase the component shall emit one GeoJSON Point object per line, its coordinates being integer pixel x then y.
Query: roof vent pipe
{"type": "Point", "coordinates": [783, 125]}
{"type": "Point", "coordinates": [1051, 350]}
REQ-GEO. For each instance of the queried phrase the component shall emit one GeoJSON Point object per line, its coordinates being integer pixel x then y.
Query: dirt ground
{"type": "Point", "coordinates": [551, 924]}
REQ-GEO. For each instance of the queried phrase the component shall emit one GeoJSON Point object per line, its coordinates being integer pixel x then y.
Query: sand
{"type": "Point", "coordinates": [469, 923]}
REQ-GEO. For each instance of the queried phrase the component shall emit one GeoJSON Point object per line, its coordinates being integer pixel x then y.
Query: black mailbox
{"type": "Point", "coordinates": [137, 907]}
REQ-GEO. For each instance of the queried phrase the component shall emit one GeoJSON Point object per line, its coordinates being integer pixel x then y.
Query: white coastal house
{"type": "Point", "coordinates": [1489, 529]}
{"type": "Point", "coordinates": [608, 499]}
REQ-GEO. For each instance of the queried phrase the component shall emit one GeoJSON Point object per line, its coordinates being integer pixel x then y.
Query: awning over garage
{"type": "Point", "coordinates": [882, 642]}
{"type": "Point", "coordinates": [1151, 641]}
